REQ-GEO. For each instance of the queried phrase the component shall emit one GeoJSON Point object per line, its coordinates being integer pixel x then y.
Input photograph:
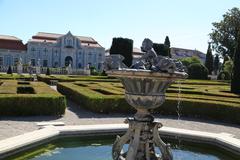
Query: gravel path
{"type": "Point", "coordinates": [12, 126]}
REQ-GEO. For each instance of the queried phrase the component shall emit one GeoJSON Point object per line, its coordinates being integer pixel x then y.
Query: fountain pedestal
{"type": "Point", "coordinates": [144, 90]}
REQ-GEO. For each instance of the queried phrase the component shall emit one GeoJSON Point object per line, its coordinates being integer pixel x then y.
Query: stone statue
{"type": "Point", "coordinates": [144, 90]}
{"type": "Point", "coordinates": [151, 61]}
{"type": "Point", "coordinates": [38, 69]}
{"type": "Point", "coordinates": [69, 68]}
{"type": "Point", "coordinates": [30, 69]}
{"type": "Point", "coordinates": [19, 66]}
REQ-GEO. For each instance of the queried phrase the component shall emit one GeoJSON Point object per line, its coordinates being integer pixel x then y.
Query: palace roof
{"type": "Point", "coordinates": [52, 38]}
{"type": "Point", "coordinates": [11, 43]}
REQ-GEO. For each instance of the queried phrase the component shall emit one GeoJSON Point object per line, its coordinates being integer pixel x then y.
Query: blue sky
{"type": "Point", "coordinates": [186, 22]}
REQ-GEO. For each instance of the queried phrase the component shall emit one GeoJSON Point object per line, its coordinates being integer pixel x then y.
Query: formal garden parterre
{"type": "Point", "coordinates": [25, 98]}
{"type": "Point", "coordinates": [197, 98]}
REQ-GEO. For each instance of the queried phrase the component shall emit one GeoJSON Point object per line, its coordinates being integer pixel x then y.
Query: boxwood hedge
{"type": "Point", "coordinates": [42, 101]}
{"type": "Point", "coordinates": [213, 105]}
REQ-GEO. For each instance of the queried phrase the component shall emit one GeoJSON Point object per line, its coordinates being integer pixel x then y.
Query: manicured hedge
{"type": "Point", "coordinates": [65, 78]}
{"type": "Point", "coordinates": [26, 105]}
{"type": "Point", "coordinates": [15, 76]}
{"type": "Point", "coordinates": [42, 101]}
{"type": "Point", "coordinates": [213, 105]}
{"type": "Point", "coordinates": [92, 100]}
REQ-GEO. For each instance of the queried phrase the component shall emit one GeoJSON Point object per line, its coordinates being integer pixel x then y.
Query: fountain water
{"type": "Point", "coordinates": [179, 100]}
{"type": "Point", "coordinates": [145, 86]}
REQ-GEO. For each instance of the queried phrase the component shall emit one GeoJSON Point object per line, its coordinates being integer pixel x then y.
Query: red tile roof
{"type": "Point", "coordinates": [11, 43]}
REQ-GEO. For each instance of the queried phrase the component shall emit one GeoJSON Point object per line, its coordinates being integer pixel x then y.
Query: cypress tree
{"type": "Point", "coordinates": [216, 64]}
{"type": "Point", "coordinates": [209, 60]}
{"type": "Point", "coordinates": [9, 71]}
{"type": "Point", "coordinates": [235, 83]}
{"type": "Point", "coordinates": [48, 71]}
{"type": "Point", "coordinates": [161, 49]}
{"type": "Point", "coordinates": [168, 44]}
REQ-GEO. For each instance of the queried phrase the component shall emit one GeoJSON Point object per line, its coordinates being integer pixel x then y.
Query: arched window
{"type": "Point", "coordinates": [69, 43]}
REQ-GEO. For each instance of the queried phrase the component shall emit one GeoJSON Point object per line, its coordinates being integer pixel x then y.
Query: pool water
{"type": "Point", "coordinates": [100, 149]}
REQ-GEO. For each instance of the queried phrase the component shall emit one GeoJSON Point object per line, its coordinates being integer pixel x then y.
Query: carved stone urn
{"type": "Point", "coordinates": [144, 90]}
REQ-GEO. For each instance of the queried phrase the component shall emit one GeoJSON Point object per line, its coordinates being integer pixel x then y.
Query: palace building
{"type": "Point", "coordinates": [52, 50]}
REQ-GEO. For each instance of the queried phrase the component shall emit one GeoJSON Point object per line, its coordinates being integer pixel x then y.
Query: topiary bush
{"type": "Point", "coordinates": [9, 71]}
{"type": "Point", "coordinates": [161, 49]}
{"type": "Point", "coordinates": [48, 72]}
{"type": "Point", "coordinates": [197, 71]}
{"type": "Point", "coordinates": [123, 46]}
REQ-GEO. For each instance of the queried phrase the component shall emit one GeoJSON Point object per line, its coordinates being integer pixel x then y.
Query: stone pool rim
{"type": "Point", "coordinates": [14, 145]}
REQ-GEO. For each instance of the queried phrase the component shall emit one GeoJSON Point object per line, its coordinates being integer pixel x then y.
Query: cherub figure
{"type": "Point", "coordinates": [150, 55]}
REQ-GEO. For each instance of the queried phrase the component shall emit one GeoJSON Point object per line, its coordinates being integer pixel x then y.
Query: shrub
{"type": "Point", "coordinates": [26, 105]}
{"type": "Point", "coordinates": [93, 71]}
{"type": "Point", "coordinates": [161, 49]}
{"type": "Point", "coordinates": [25, 90]}
{"type": "Point", "coordinates": [9, 71]}
{"type": "Point", "coordinates": [96, 98]}
{"type": "Point", "coordinates": [223, 75]}
{"type": "Point", "coordinates": [197, 71]}
{"type": "Point", "coordinates": [189, 60]}
{"type": "Point", "coordinates": [123, 46]}
{"type": "Point", "coordinates": [48, 72]}
{"type": "Point", "coordinates": [93, 101]}
{"type": "Point", "coordinates": [34, 98]}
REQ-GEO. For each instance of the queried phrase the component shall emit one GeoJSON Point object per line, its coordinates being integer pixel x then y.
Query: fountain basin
{"type": "Point", "coordinates": [94, 148]}
{"type": "Point", "coordinates": [26, 141]}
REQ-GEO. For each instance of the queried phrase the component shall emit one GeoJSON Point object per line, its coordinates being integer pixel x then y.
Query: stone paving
{"type": "Point", "coordinates": [75, 115]}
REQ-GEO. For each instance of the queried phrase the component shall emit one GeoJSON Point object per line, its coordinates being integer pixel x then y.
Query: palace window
{"type": "Point", "coordinates": [45, 51]}
{"type": "Point", "coordinates": [55, 64]}
{"type": "Point", "coordinates": [45, 63]}
{"type": "Point", "coordinates": [99, 66]}
{"type": "Point", "coordinates": [15, 61]}
{"type": "Point", "coordinates": [79, 65]}
{"type": "Point", "coordinates": [69, 43]}
{"type": "Point", "coordinates": [1, 61]}
{"type": "Point", "coordinates": [56, 53]}
{"type": "Point", "coordinates": [33, 62]}
{"type": "Point", "coordinates": [33, 49]}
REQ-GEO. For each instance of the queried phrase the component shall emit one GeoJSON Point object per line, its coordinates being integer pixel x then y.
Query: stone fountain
{"type": "Point", "coordinates": [145, 84]}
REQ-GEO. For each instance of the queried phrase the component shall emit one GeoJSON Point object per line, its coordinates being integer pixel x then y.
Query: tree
{"type": "Point", "coordinates": [168, 44]}
{"type": "Point", "coordinates": [161, 49]}
{"type": "Point", "coordinates": [190, 60]}
{"type": "Point", "coordinates": [209, 60]}
{"type": "Point", "coordinates": [224, 34]}
{"type": "Point", "coordinates": [235, 83]}
{"type": "Point", "coordinates": [228, 67]}
{"type": "Point", "coordinates": [123, 46]}
{"type": "Point", "coordinates": [9, 71]}
{"type": "Point", "coordinates": [197, 71]}
{"type": "Point", "coordinates": [216, 64]}
{"type": "Point", "coordinates": [48, 71]}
